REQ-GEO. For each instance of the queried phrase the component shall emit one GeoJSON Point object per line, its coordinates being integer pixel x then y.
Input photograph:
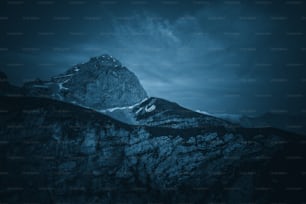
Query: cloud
{"type": "Point", "coordinates": [163, 50]}
{"type": "Point", "coordinates": [215, 53]}
{"type": "Point", "coordinates": [200, 58]}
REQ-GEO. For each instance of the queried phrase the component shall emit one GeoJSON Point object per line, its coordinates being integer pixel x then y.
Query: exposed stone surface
{"type": "Point", "coordinates": [54, 152]}
{"type": "Point", "coordinates": [100, 83]}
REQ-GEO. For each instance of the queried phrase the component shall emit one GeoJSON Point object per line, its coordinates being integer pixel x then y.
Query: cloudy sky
{"type": "Point", "coordinates": [216, 56]}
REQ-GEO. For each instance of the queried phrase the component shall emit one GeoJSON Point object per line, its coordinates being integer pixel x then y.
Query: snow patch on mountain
{"type": "Point", "coordinates": [126, 114]}
{"type": "Point", "coordinates": [203, 112]}
{"type": "Point", "coordinates": [150, 108]}
{"type": "Point", "coordinates": [61, 85]}
{"type": "Point", "coordinates": [138, 111]}
{"type": "Point", "coordinates": [123, 108]}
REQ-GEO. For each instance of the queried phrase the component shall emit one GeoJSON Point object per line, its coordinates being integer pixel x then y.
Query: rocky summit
{"type": "Point", "coordinates": [100, 83]}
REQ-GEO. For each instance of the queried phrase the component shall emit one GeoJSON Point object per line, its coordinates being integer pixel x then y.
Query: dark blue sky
{"type": "Point", "coordinates": [228, 56]}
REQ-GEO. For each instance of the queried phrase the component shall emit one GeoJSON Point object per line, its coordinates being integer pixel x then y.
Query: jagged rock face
{"type": "Point", "coordinates": [100, 83]}
{"type": "Point", "coordinates": [55, 152]}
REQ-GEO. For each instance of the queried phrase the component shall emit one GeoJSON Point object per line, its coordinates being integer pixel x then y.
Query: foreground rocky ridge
{"type": "Point", "coordinates": [57, 152]}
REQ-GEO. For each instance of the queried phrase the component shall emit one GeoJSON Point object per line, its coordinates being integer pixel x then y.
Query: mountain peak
{"type": "Point", "coordinates": [105, 60]}
{"type": "Point", "coordinates": [100, 83]}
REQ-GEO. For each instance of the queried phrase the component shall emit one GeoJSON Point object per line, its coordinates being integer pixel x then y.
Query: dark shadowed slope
{"type": "Point", "coordinates": [54, 152]}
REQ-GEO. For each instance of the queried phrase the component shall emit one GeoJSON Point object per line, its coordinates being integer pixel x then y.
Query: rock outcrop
{"type": "Point", "coordinates": [55, 152]}
{"type": "Point", "coordinates": [100, 83]}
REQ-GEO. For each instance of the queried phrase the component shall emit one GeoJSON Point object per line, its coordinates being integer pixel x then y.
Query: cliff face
{"type": "Point", "coordinates": [100, 83]}
{"type": "Point", "coordinates": [57, 152]}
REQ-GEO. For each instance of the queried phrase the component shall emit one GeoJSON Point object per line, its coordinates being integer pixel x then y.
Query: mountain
{"type": "Point", "coordinates": [56, 152]}
{"type": "Point", "coordinates": [159, 112]}
{"type": "Point", "coordinates": [100, 83]}
{"type": "Point", "coordinates": [103, 84]}
{"type": "Point", "coordinates": [92, 135]}
{"type": "Point", "coordinates": [285, 121]}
